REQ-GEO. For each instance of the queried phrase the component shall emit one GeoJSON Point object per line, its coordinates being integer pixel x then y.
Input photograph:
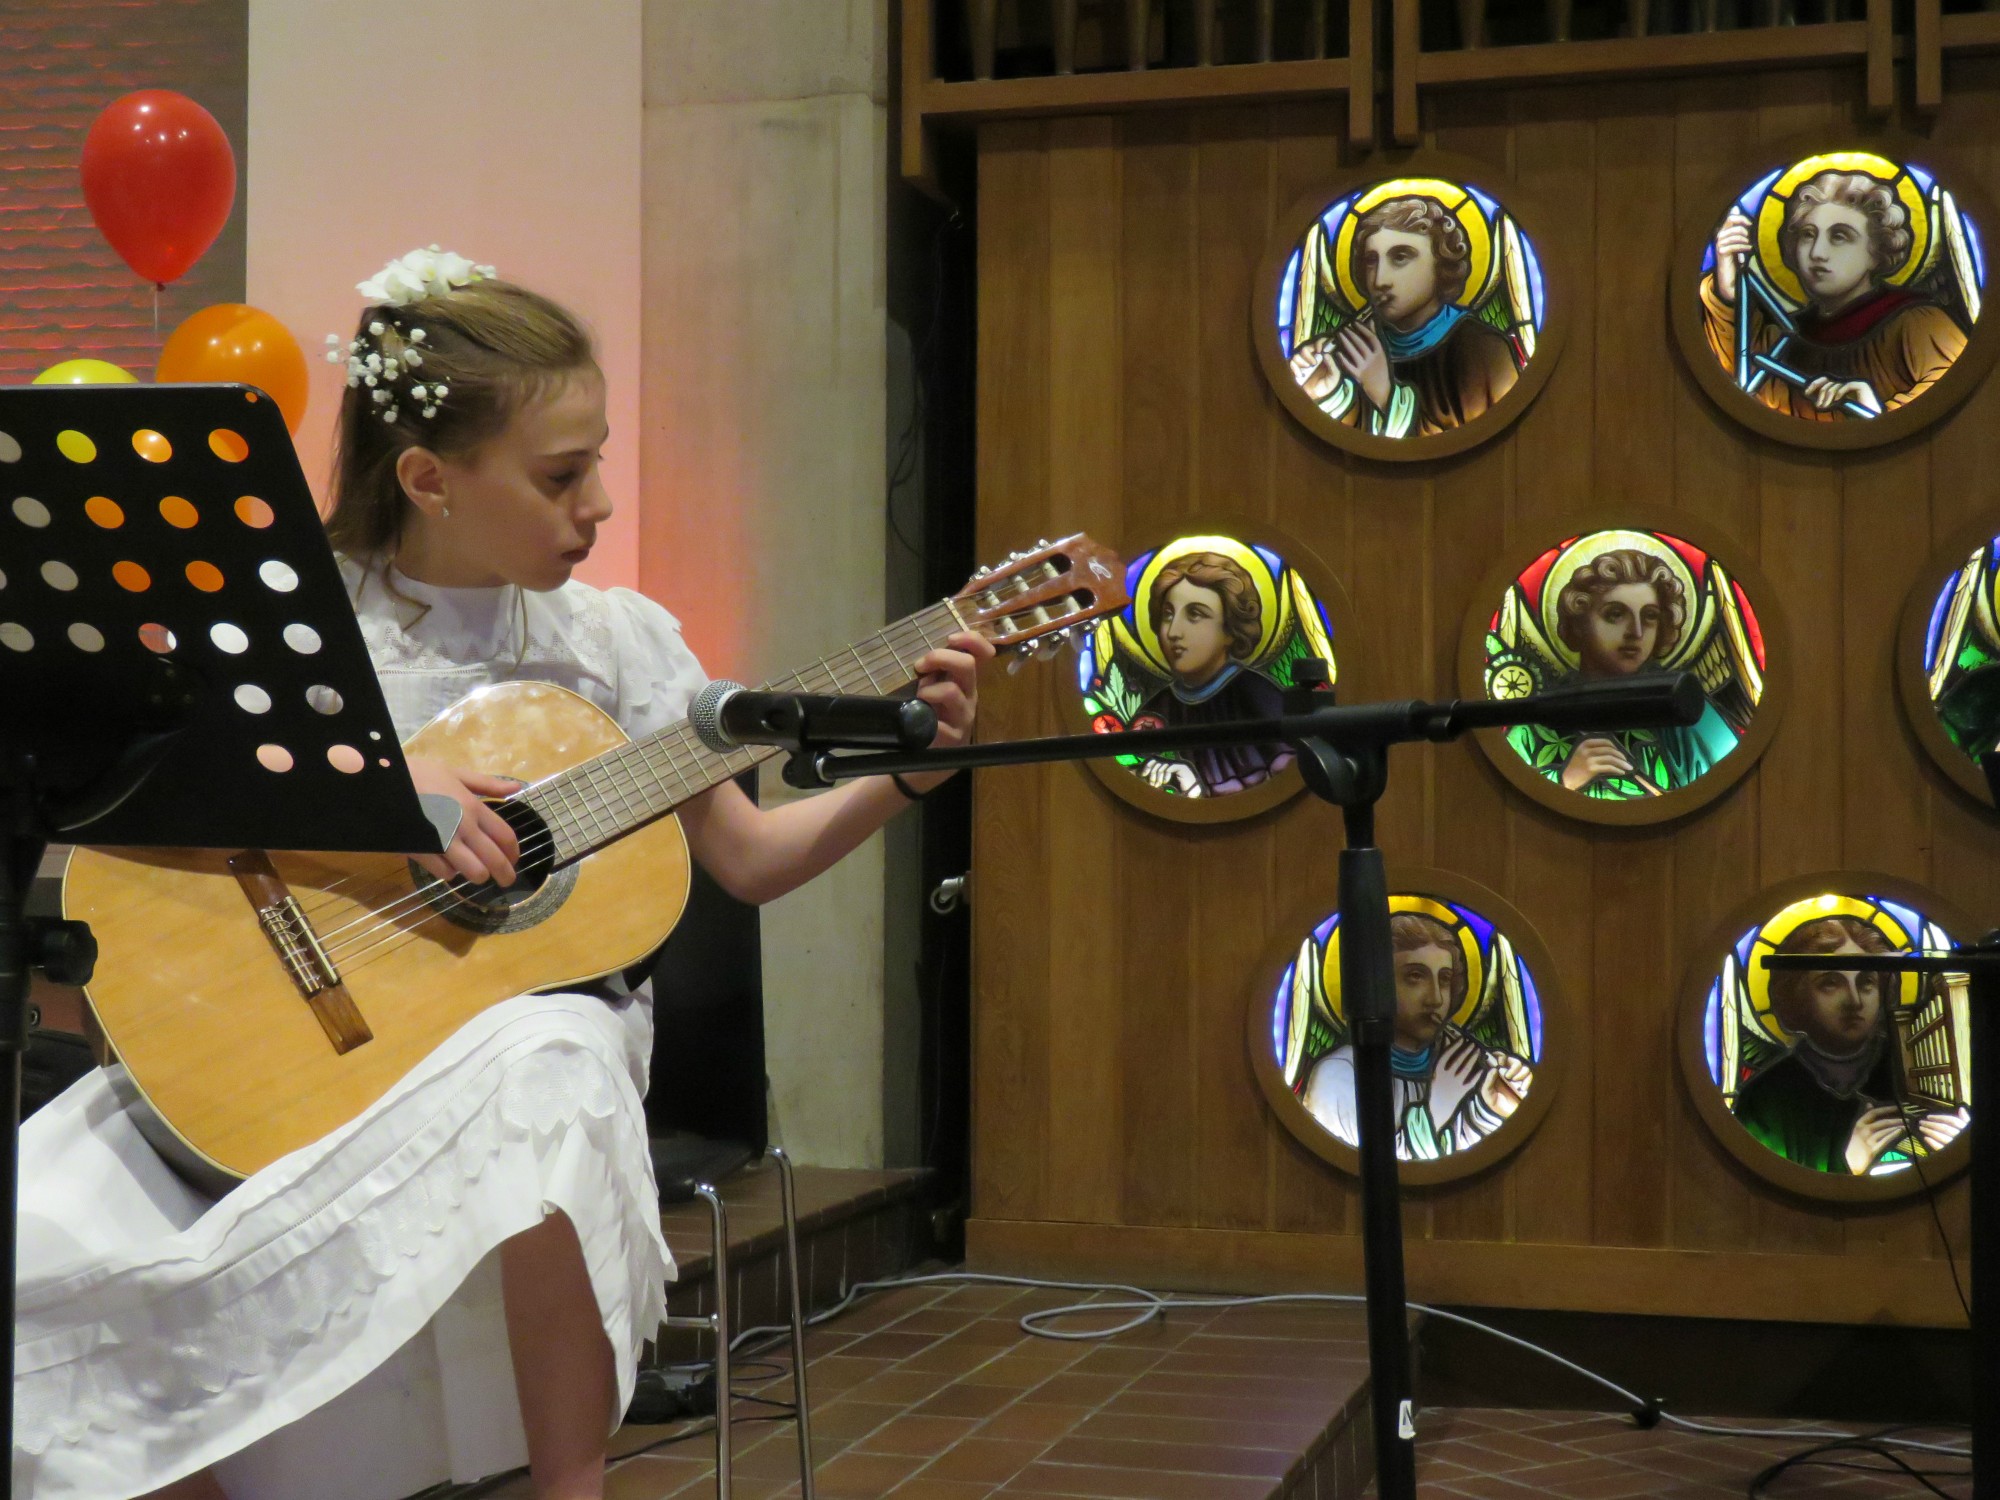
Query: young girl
{"type": "Point", "coordinates": [458, 1281]}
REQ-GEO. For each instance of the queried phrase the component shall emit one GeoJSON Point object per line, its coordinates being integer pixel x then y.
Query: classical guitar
{"type": "Point", "coordinates": [259, 1000]}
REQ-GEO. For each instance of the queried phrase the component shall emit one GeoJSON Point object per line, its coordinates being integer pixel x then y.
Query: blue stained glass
{"type": "Point", "coordinates": [1708, 257]}
{"type": "Point", "coordinates": [1482, 930]}
{"type": "Point", "coordinates": [1924, 179]}
{"type": "Point", "coordinates": [1534, 1008]}
{"type": "Point", "coordinates": [1492, 208]}
{"type": "Point", "coordinates": [1086, 666]}
{"type": "Point", "coordinates": [1755, 194]}
{"type": "Point", "coordinates": [1939, 609]}
{"type": "Point", "coordinates": [1978, 248]}
{"type": "Point", "coordinates": [1277, 563]}
{"type": "Point", "coordinates": [1281, 1015]}
{"type": "Point", "coordinates": [1330, 220]}
{"type": "Point", "coordinates": [1743, 946]}
{"type": "Point", "coordinates": [1132, 571]}
{"type": "Point", "coordinates": [1536, 290]}
{"type": "Point", "coordinates": [1907, 918]}
{"type": "Point", "coordinates": [1711, 1033]}
{"type": "Point", "coordinates": [1285, 291]}
{"type": "Point", "coordinates": [1325, 623]}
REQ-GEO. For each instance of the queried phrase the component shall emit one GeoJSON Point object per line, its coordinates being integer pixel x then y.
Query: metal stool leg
{"type": "Point", "coordinates": [788, 1198]}
{"type": "Point", "coordinates": [722, 1336]}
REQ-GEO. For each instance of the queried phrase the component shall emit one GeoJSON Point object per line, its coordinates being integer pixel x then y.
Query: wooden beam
{"type": "Point", "coordinates": [1405, 46]}
{"type": "Point", "coordinates": [1685, 52]}
{"type": "Point", "coordinates": [1361, 72]}
{"type": "Point", "coordinates": [915, 72]}
{"type": "Point", "coordinates": [1881, 24]}
{"type": "Point", "coordinates": [1104, 93]}
{"type": "Point", "coordinates": [1904, 1291]}
{"type": "Point", "coordinates": [1927, 54]}
{"type": "Point", "coordinates": [1971, 31]}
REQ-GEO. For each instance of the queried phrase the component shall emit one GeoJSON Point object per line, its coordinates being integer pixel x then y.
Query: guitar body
{"type": "Point", "coordinates": [217, 1037]}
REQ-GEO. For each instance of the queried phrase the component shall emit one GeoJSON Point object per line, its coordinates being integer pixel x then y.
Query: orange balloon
{"type": "Point", "coordinates": [233, 342]}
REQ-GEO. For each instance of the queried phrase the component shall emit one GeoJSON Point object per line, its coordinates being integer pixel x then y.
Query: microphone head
{"type": "Point", "coordinates": [705, 714]}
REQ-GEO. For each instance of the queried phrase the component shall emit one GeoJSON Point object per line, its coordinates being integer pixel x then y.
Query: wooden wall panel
{"type": "Point", "coordinates": [1117, 1124]}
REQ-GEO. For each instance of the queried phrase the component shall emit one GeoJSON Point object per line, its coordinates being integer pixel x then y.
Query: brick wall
{"type": "Point", "coordinates": [63, 291]}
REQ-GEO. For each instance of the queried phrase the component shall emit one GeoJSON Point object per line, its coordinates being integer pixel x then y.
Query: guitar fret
{"type": "Point", "coordinates": [873, 685]}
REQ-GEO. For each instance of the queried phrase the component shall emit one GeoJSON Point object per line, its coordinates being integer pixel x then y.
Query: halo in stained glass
{"type": "Point", "coordinates": [1474, 1056]}
{"type": "Point", "coordinates": [1619, 603]}
{"type": "Point", "coordinates": [1221, 616]}
{"type": "Point", "coordinates": [1406, 316]}
{"type": "Point", "coordinates": [1834, 1082]}
{"type": "Point", "coordinates": [1833, 297]}
{"type": "Point", "coordinates": [1948, 658]}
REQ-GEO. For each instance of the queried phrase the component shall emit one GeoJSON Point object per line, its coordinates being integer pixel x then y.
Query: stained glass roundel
{"type": "Point", "coordinates": [1833, 1082]}
{"type": "Point", "coordinates": [1473, 1055]}
{"type": "Point", "coordinates": [1948, 658]}
{"type": "Point", "coordinates": [1618, 604]}
{"type": "Point", "coordinates": [1406, 316]}
{"type": "Point", "coordinates": [1220, 618]}
{"type": "Point", "coordinates": [1833, 299]}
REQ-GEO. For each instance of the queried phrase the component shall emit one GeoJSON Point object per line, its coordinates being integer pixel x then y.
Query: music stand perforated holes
{"type": "Point", "coordinates": [104, 512]}
{"type": "Point", "coordinates": [229, 638]}
{"type": "Point", "coordinates": [75, 446]}
{"type": "Point", "coordinates": [59, 575]}
{"type": "Point", "coordinates": [228, 446]}
{"type": "Point", "coordinates": [324, 700]}
{"type": "Point", "coordinates": [274, 758]}
{"type": "Point", "coordinates": [178, 513]}
{"type": "Point", "coordinates": [152, 446]}
{"type": "Point", "coordinates": [86, 637]}
{"type": "Point", "coordinates": [278, 577]}
{"type": "Point", "coordinates": [16, 637]}
{"type": "Point", "coordinates": [251, 698]}
{"type": "Point", "coordinates": [10, 448]}
{"type": "Point", "coordinates": [30, 512]}
{"type": "Point", "coordinates": [157, 639]}
{"type": "Point", "coordinates": [302, 639]}
{"type": "Point", "coordinates": [254, 513]}
{"type": "Point", "coordinates": [345, 759]}
{"type": "Point", "coordinates": [130, 577]}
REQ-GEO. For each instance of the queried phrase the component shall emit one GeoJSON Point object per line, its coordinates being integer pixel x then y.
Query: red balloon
{"type": "Point", "coordinates": [160, 179]}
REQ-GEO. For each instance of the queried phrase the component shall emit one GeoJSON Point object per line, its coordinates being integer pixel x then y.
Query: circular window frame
{"type": "Point", "coordinates": [1683, 801]}
{"type": "Point", "coordinates": [1749, 1152]}
{"type": "Point", "coordinates": [1911, 686]}
{"type": "Point", "coordinates": [1466, 171]}
{"type": "Point", "coordinates": [1290, 1110]}
{"type": "Point", "coordinates": [1283, 786]}
{"type": "Point", "coordinates": [1698, 227]}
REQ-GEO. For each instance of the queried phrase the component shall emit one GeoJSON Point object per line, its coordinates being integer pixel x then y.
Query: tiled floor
{"type": "Point", "coordinates": [1555, 1455]}
{"type": "Point", "coordinates": [935, 1394]}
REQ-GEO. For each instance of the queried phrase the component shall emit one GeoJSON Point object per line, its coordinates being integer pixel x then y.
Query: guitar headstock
{"type": "Point", "coordinates": [1035, 598]}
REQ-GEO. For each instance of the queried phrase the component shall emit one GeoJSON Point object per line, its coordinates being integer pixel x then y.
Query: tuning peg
{"type": "Point", "coordinates": [1018, 660]}
{"type": "Point", "coordinates": [982, 572]}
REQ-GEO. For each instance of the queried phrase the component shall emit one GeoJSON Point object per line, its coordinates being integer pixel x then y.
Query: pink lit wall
{"type": "Point", "coordinates": [508, 130]}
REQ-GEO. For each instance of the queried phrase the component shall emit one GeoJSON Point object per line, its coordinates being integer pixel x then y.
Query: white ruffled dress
{"type": "Point", "coordinates": [333, 1327]}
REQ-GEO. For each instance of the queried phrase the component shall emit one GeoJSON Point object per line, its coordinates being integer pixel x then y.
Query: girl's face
{"type": "Point", "coordinates": [1831, 246]}
{"type": "Point", "coordinates": [1399, 273]}
{"type": "Point", "coordinates": [1621, 631]}
{"type": "Point", "coordinates": [1192, 633]}
{"type": "Point", "coordinates": [1424, 978]}
{"type": "Point", "coordinates": [526, 504]}
{"type": "Point", "coordinates": [1842, 1006]}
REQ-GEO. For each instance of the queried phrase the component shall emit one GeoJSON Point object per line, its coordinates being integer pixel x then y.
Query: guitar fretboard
{"type": "Point", "coordinates": [601, 800]}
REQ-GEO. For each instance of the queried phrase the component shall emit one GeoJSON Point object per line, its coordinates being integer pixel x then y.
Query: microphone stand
{"type": "Point", "coordinates": [1343, 756]}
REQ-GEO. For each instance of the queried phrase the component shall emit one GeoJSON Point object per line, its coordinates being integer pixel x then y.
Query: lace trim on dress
{"type": "Point", "coordinates": [298, 1304]}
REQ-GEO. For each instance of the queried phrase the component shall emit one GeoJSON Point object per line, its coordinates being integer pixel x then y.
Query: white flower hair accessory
{"type": "Point", "coordinates": [421, 274]}
{"type": "Point", "coordinates": [413, 277]}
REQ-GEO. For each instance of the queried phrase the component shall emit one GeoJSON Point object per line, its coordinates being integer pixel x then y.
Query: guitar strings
{"type": "Point", "coordinates": [679, 751]}
{"type": "Point", "coordinates": [679, 758]}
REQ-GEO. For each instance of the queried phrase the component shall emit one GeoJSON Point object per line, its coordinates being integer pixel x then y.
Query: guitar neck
{"type": "Point", "coordinates": [601, 800]}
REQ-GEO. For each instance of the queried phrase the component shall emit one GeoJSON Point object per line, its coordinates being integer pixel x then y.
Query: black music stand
{"type": "Point", "coordinates": [179, 666]}
{"type": "Point", "coordinates": [1980, 962]}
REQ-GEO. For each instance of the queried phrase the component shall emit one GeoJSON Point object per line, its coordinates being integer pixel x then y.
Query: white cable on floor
{"type": "Point", "coordinates": [1148, 1305]}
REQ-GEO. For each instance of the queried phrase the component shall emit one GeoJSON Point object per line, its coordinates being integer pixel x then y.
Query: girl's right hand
{"type": "Point", "coordinates": [484, 848]}
{"type": "Point", "coordinates": [1731, 240]}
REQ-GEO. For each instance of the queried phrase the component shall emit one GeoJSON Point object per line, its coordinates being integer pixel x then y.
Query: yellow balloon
{"type": "Point", "coordinates": [85, 372]}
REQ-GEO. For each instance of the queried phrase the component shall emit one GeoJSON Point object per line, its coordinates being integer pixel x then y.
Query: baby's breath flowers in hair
{"type": "Point", "coordinates": [406, 280]}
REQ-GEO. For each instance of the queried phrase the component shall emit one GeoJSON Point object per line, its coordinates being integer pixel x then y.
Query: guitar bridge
{"type": "Point", "coordinates": [299, 949]}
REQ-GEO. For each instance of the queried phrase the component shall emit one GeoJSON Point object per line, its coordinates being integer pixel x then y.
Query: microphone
{"type": "Point", "coordinates": [1643, 703]}
{"type": "Point", "coordinates": [727, 715]}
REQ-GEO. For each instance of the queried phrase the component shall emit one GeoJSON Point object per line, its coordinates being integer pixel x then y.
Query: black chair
{"type": "Point", "coordinates": [706, 1113]}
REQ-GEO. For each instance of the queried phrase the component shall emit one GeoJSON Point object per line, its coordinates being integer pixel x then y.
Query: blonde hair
{"type": "Point", "coordinates": [494, 346]}
{"type": "Point", "coordinates": [1609, 570]}
{"type": "Point", "coordinates": [1876, 202]}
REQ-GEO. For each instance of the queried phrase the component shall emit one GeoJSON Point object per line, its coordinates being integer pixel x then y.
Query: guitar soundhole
{"type": "Point", "coordinates": [538, 888]}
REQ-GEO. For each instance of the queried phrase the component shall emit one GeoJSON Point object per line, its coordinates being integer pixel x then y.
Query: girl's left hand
{"type": "Point", "coordinates": [948, 680]}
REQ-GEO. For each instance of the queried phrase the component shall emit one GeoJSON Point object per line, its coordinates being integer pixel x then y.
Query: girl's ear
{"type": "Point", "coordinates": [421, 473]}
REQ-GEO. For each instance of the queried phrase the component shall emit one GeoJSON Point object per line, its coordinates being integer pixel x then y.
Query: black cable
{"type": "Point", "coordinates": [1809, 1457]}
{"type": "Point", "coordinates": [1904, 1107]}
